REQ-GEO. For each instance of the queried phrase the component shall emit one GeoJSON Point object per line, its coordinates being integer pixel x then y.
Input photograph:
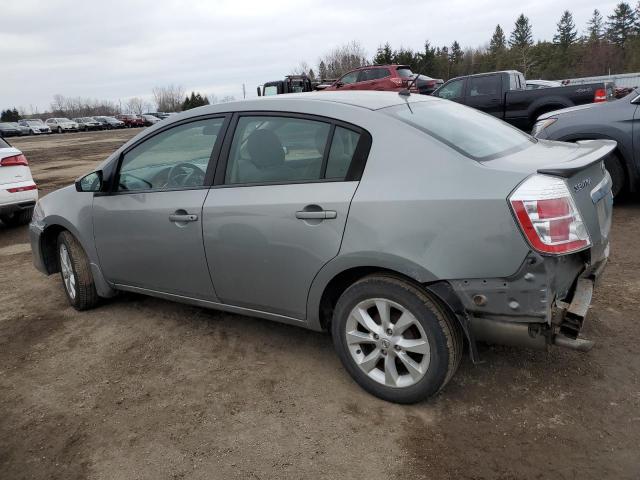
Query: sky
{"type": "Point", "coordinates": [118, 49]}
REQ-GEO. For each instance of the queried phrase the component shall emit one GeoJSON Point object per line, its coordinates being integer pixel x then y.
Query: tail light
{"type": "Point", "coordinates": [14, 161]}
{"type": "Point", "coordinates": [22, 189]}
{"type": "Point", "coordinates": [399, 81]}
{"type": "Point", "coordinates": [548, 217]}
{"type": "Point", "coordinates": [600, 95]}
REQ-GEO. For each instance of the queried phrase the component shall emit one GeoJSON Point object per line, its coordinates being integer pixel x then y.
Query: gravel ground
{"type": "Point", "coordinates": [144, 388]}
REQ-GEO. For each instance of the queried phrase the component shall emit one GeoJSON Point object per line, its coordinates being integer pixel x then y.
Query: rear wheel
{"type": "Point", "coordinates": [75, 271]}
{"type": "Point", "coordinates": [17, 218]}
{"type": "Point", "coordinates": [618, 175]}
{"type": "Point", "coordinates": [59, 129]}
{"type": "Point", "coordinates": [396, 341]}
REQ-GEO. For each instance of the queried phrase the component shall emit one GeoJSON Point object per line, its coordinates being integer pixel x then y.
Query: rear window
{"type": "Point", "coordinates": [470, 132]}
{"type": "Point", "coordinates": [405, 72]}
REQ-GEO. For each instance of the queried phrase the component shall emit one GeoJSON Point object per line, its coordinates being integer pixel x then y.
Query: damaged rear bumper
{"type": "Point", "coordinates": [544, 303]}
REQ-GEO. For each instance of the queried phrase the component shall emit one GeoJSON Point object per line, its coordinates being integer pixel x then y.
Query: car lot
{"type": "Point", "coordinates": [142, 388]}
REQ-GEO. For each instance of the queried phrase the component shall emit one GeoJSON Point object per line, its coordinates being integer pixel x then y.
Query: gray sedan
{"type": "Point", "coordinates": [618, 120]}
{"type": "Point", "coordinates": [405, 225]}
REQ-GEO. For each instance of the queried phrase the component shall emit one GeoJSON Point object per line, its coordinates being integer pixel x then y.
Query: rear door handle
{"type": "Point", "coordinates": [179, 218]}
{"type": "Point", "coordinates": [321, 215]}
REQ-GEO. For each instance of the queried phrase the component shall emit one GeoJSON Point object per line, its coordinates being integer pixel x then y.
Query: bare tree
{"type": "Point", "coordinates": [227, 99]}
{"type": "Point", "coordinates": [301, 69]}
{"type": "Point", "coordinates": [138, 105]}
{"type": "Point", "coordinates": [341, 59]}
{"type": "Point", "coordinates": [213, 99]}
{"type": "Point", "coordinates": [169, 98]}
{"type": "Point", "coordinates": [81, 107]}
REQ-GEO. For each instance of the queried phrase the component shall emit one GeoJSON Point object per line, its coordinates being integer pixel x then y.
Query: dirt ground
{"type": "Point", "coordinates": [142, 388]}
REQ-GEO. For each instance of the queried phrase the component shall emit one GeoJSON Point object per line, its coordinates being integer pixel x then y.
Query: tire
{"type": "Point", "coordinates": [75, 272]}
{"type": "Point", "coordinates": [17, 218]}
{"type": "Point", "coordinates": [59, 129]}
{"type": "Point", "coordinates": [431, 344]}
{"type": "Point", "coordinates": [618, 175]}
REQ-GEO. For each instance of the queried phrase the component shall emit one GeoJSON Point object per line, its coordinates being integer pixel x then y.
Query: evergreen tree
{"type": "Point", "coordinates": [322, 70]}
{"type": "Point", "coordinates": [9, 115]}
{"type": "Point", "coordinates": [384, 55]}
{"type": "Point", "coordinates": [621, 24]}
{"type": "Point", "coordinates": [498, 41]}
{"type": "Point", "coordinates": [638, 18]}
{"type": "Point", "coordinates": [521, 36]}
{"type": "Point", "coordinates": [595, 27]}
{"type": "Point", "coordinates": [194, 100]}
{"type": "Point", "coordinates": [427, 60]}
{"type": "Point", "coordinates": [567, 34]}
{"type": "Point", "coordinates": [312, 74]}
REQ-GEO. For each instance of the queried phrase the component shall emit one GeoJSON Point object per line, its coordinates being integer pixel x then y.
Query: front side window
{"type": "Point", "coordinates": [405, 72]}
{"type": "Point", "coordinates": [470, 132]}
{"type": "Point", "coordinates": [277, 149]}
{"type": "Point", "coordinates": [479, 86]}
{"type": "Point", "coordinates": [350, 78]}
{"type": "Point", "coordinates": [173, 159]}
{"type": "Point", "coordinates": [452, 90]}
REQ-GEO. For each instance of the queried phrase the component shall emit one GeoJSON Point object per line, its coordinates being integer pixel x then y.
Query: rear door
{"type": "Point", "coordinates": [484, 92]}
{"type": "Point", "coordinates": [278, 210]}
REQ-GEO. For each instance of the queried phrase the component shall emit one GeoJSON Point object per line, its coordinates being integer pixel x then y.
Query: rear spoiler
{"type": "Point", "coordinates": [598, 150]}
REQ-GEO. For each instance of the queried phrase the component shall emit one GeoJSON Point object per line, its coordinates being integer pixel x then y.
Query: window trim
{"type": "Point", "coordinates": [356, 168]}
{"type": "Point", "coordinates": [211, 166]}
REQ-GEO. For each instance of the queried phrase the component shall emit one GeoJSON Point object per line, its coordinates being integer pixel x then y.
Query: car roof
{"type": "Point", "coordinates": [370, 100]}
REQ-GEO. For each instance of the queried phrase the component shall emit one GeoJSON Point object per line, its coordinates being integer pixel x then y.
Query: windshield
{"type": "Point", "coordinates": [470, 132]}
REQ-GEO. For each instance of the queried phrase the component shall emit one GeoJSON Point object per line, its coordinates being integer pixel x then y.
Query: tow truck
{"type": "Point", "coordinates": [292, 84]}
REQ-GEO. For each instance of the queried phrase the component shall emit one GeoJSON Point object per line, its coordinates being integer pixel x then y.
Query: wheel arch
{"type": "Point", "coordinates": [623, 154]}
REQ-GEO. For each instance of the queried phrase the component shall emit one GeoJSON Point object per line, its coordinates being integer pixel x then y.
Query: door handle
{"type": "Point", "coordinates": [317, 215]}
{"type": "Point", "coordinates": [180, 218]}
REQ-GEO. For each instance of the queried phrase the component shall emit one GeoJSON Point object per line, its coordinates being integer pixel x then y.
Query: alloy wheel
{"type": "Point", "coordinates": [68, 276]}
{"type": "Point", "coordinates": [387, 342]}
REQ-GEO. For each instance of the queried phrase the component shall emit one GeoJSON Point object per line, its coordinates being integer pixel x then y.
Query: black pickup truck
{"type": "Point", "coordinates": [504, 95]}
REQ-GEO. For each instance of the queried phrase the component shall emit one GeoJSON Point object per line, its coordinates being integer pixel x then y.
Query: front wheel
{"type": "Point", "coordinates": [75, 271]}
{"type": "Point", "coordinates": [59, 129]}
{"type": "Point", "coordinates": [396, 341]}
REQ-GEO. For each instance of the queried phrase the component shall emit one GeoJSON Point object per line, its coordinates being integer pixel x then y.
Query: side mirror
{"type": "Point", "coordinates": [339, 84]}
{"type": "Point", "coordinates": [90, 183]}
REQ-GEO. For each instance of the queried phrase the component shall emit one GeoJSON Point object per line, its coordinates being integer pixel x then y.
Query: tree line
{"type": "Point", "coordinates": [606, 45]}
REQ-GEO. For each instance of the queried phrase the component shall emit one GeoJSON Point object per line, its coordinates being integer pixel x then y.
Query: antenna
{"type": "Point", "coordinates": [407, 91]}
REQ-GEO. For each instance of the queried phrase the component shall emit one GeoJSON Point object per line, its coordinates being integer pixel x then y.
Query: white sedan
{"type": "Point", "coordinates": [18, 191]}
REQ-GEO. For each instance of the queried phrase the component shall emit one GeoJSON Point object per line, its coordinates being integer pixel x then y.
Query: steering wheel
{"type": "Point", "coordinates": [183, 174]}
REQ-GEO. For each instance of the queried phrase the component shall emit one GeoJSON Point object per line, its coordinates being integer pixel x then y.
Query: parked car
{"type": "Point", "coordinates": [536, 84]}
{"type": "Point", "coordinates": [149, 119]}
{"type": "Point", "coordinates": [22, 130]}
{"type": "Point", "coordinates": [35, 126]}
{"type": "Point", "coordinates": [88, 123]}
{"type": "Point", "coordinates": [8, 130]}
{"type": "Point", "coordinates": [160, 115]}
{"type": "Point", "coordinates": [61, 125]}
{"type": "Point", "coordinates": [402, 224]}
{"type": "Point", "coordinates": [618, 120]}
{"type": "Point", "coordinates": [109, 122]}
{"type": "Point", "coordinates": [18, 191]}
{"type": "Point", "coordinates": [503, 95]}
{"type": "Point", "coordinates": [393, 78]}
{"type": "Point", "coordinates": [131, 120]}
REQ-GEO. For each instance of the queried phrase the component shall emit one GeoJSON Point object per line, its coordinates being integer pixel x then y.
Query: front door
{"type": "Point", "coordinates": [148, 231]}
{"type": "Point", "coordinates": [279, 213]}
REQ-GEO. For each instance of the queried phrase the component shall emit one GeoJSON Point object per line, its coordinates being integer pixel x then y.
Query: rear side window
{"type": "Point", "coordinates": [474, 134]}
{"type": "Point", "coordinates": [276, 149]}
{"type": "Point", "coordinates": [343, 147]}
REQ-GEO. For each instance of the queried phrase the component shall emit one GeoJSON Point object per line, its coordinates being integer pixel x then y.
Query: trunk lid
{"type": "Point", "coordinates": [13, 174]}
{"type": "Point", "coordinates": [581, 166]}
